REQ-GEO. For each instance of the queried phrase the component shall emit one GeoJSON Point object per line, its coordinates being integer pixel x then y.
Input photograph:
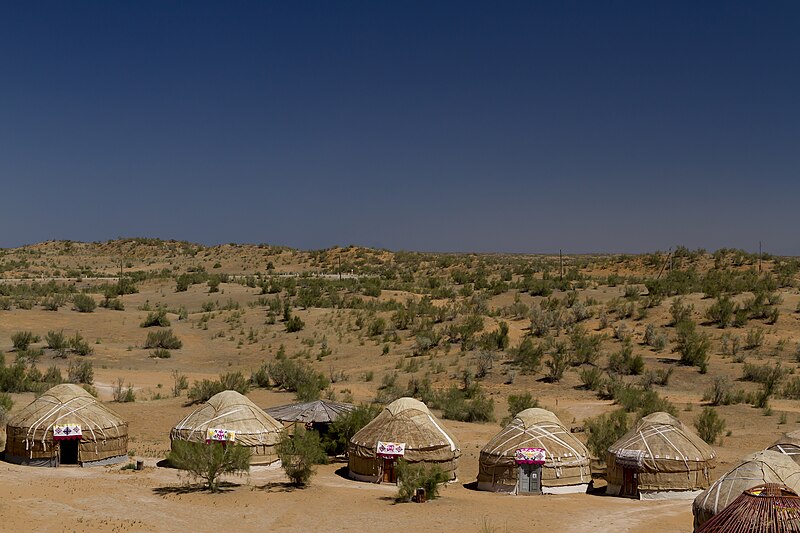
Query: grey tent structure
{"type": "Point", "coordinates": [766, 466]}
{"type": "Point", "coordinates": [563, 467]}
{"type": "Point", "coordinates": [66, 425]}
{"type": "Point", "coordinates": [318, 412]}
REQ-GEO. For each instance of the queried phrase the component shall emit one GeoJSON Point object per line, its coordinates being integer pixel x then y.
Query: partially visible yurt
{"type": "Point", "coordinates": [318, 414]}
{"type": "Point", "coordinates": [788, 444]}
{"type": "Point", "coordinates": [405, 429]}
{"type": "Point", "coordinates": [755, 469]}
{"type": "Point", "coordinates": [534, 453]}
{"type": "Point", "coordinates": [768, 508]}
{"type": "Point", "coordinates": [659, 458]}
{"type": "Point", "coordinates": [66, 425]}
{"type": "Point", "coordinates": [232, 417]}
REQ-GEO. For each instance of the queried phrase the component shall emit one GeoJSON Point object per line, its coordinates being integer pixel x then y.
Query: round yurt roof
{"type": "Point", "coordinates": [318, 412]}
{"type": "Point", "coordinates": [755, 469]}
{"type": "Point", "coordinates": [788, 444]}
{"type": "Point", "coordinates": [662, 437]}
{"type": "Point", "coordinates": [66, 404]}
{"type": "Point", "coordinates": [767, 508]}
{"type": "Point", "coordinates": [231, 411]}
{"type": "Point", "coordinates": [405, 420]}
{"type": "Point", "coordinates": [536, 428]}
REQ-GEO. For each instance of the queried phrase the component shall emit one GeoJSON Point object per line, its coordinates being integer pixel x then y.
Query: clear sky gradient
{"type": "Point", "coordinates": [441, 126]}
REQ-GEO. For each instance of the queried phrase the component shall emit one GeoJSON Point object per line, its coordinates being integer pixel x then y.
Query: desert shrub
{"type": "Point", "coordinates": [497, 339]}
{"type": "Point", "coordinates": [412, 476]}
{"type": "Point", "coordinates": [768, 376]}
{"type": "Point", "coordinates": [202, 390]}
{"type": "Point", "coordinates": [160, 353]}
{"type": "Point", "coordinates": [299, 453]}
{"type": "Point", "coordinates": [376, 327]}
{"type": "Point", "coordinates": [56, 340]}
{"type": "Point", "coordinates": [123, 394]}
{"type": "Point", "coordinates": [722, 311]}
{"type": "Point", "coordinates": [709, 425]}
{"type": "Point", "coordinates": [209, 461]}
{"type": "Point", "coordinates": [156, 318]}
{"type": "Point", "coordinates": [722, 392]}
{"type": "Point", "coordinates": [679, 311]}
{"type": "Point", "coordinates": [294, 324]}
{"type": "Point", "coordinates": [641, 401]}
{"type": "Point", "coordinates": [235, 381]}
{"type": "Point", "coordinates": [754, 338]}
{"type": "Point", "coordinates": [558, 363]}
{"type": "Point", "coordinates": [115, 304]}
{"type": "Point", "coordinates": [467, 405]}
{"type": "Point", "coordinates": [348, 424]}
{"type": "Point", "coordinates": [80, 372]}
{"type": "Point", "coordinates": [83, 303]}
{"type": "Point", "coordinates": [585, 347]}
{"type": "Point", "coordinates": [53, 376]}
{"type": "Point", "coordinates": [52, 303]}
{"type": "Point", "coordinates": [605, 430]}
{"type": "Point", "coordinates": [306, 382]}
{"type": "Point", "coordinates": [692, 345]}
{"type": "Point", "coordinates": [625, 363]}
{"type": "Point", "coordinates": [518, 403]}
{"type": "Point", "coordinates": [260, 376]}
{"type": "Point", "coordinates": [179, 383]}
{"type": "Point", "coordinates": [163, 338]}
{"type": "Point", "coordinates": [23, 339]}
{"type": "Point", "coordinates": [591, 377]}
{"type": "Point", "coordinates": [792, 389]}
{"type": "Point", "coordinates": [5, 303]}
{"type": "Point", "coordinates": [656, 377]}
{"type": "Point", "coordinates": [528, 356]}
{"type": "Point", "coordinates": [79, 345]}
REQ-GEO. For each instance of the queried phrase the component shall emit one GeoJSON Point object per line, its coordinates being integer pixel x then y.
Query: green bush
{"type": "Point", "coordinates": [80, 372]}
{"type": "Point", "coordinates": [163, 338]}
{"type": "Point", "coordinates": [209, 461]}
{"type": "Point", "coordinates": [528, 356]}
{"type": "Point", "coordinates": [625, 363]}
{"type": "Point", "coordinates": [692, 345]}
{"type": "Point", "coordinates": [722, 311]}
{"type": "Point", "coordinates": [56, 340]}
{"type": "Point", "coordinates": [299, 453]}
{"type": "Point", "coordinates": [297, 377]}
{"type": "Point", "coordinates": [156, 318]}
{"type": "Point", "coordinates": [412, 476]}
{"type": "Point", "coordinates": [79, 345]}
{"type": "Point", "coordinates": [294, 324]}
{"type": "Point", "coordinates": [160, 353]}
{"type": "Point", "coordinates": [755, 338]}
{"type": "Point", "coordinates": [518, 403]}
{"type": "Point", "coordinates": [585, 347]}
{"type": "Point", "coordinates": [605, 430]}
{"type": "Point", "coordinates": [591, 377]}
{"type": "Point", "coordinates": [470, 405]}
{"type": "Point", "coordinates": [23, 339]}
{"type": "Point", "coordinates": [202, 390]}
{"type": "Point", "coordinates": [83, 303]}
{"type": "Point", "coordinates": [722, 392]}
{"type": "Point", "coordinates": [348, 424]}
{"type": "Point", "coordinates": [709, 425]}
{"type": "Point", "coordinates": [122, 394]}
{"type": "Point", "coordinates": [560, 360]}
{"type": "Point", "coordinates": [679, 311]}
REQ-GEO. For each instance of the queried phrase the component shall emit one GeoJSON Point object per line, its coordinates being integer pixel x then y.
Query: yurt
{"type": "Point", "coordinates": [317, 413]}
{"type": "Point", "coordinates": [659, 458]}
{"type": "Point", "coordinates": [405, 429]}
{"type": "Point", "coordinates": [66, 425]}
{"type": "Point", "coordinates": [534, 453]}
{"type": "Point", "coordinates": [755, 469]}
{"type": "Point", "coordinates": [231, 417]}
{"type": "Point", "coordinates": [788, 444]}
{"type": "Point", "coordinates": [768, 508]}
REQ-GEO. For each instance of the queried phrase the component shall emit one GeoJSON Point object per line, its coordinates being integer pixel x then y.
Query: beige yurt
{"type": "Point", "coordinates": [755, 469]}
{"type": "Point", "coordinates": [405, 429]}
{"type": "Point", "coordinates": [659, 458]}
{"type": "Point", "coordinates": [534, 453]}
{"type": "Point", "coordinates": [788, 444]}
{"type": "Point", "coordinates": [767, 508]}
{"type": "Point", "coordinates": [233, 418]}
{"type": "Point", "coordinates": [66, 425]}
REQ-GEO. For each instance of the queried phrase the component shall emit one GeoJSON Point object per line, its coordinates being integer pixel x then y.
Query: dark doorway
{"type": "Point", "coordinates": [68, 451]}
{"type": "Point", "coordinates": [630, 483]}
{"type": "Point", "coordinates": [389, 475]}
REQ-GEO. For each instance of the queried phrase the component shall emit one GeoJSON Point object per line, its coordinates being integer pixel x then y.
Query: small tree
{"type": "Point", "coordinates": [23, 339]}
{"type": "Point", "coordinates": [163, 338]}
{"type": "Point", "coordinates": [83, 303]}
{"type": "Point", "coordinates": [709, 425]}
{"type": "Point", "coordinates": [518, 403]}
{"type": "Point", "coordinates": [294, 324]}
{"type": "Point", "coordinates": [414, 476]}
{"type": "Point", "coordinates": [299, 453]}
{"type": "Point", "coordinates": [605, 430]}
{"type": "Point", "coordinates": [210, 461]}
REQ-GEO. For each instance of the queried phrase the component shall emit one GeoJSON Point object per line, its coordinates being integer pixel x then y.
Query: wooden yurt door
{"type": "Point", "coordinates": [529, 479]}
{"type": "Point", "coordinates": [630, 483]}
{"type": "Point", "coordinates": [389, 475]}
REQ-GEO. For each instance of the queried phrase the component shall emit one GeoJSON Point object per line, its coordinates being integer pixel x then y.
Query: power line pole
{"type": "Point", "coordinates": [759, 257]}
{"type": "Point", "coordinates": [560, 266]}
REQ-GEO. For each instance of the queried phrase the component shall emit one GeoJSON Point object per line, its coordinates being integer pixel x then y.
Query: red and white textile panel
{"type": "Point", "coordinates": [220, 435]}
{"type": "Point", "coordinates": [391, 449]}
{"type": "Point", "coordinates": [530, 456]}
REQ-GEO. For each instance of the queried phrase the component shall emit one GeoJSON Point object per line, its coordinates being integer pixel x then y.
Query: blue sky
{"type": "Point", "coordinates": [443, 126]}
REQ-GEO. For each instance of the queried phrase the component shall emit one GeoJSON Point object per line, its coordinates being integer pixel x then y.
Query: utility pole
{"type": "Point", "coordinates": [560, 266]}
{"type": "Point", "coordinates": [759, 257]}
{"type": "Point", "coordinates": [340, 267]}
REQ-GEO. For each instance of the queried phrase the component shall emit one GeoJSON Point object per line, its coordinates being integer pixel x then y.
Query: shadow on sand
{"type": "Point", "coordinates": [225, 486]}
